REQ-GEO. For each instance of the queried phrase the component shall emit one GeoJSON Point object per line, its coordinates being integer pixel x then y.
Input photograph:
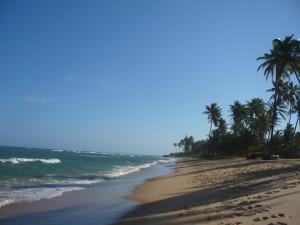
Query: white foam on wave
{"type": "Point", "coordinates": [123, 170]}
{"type": "Point", "coordinates": [4, 202]}
{"type": "Point", "coordinates": [57, 150]}
{"type": "Point", "coordinates": [167, 160]}
{"type": "Point", "coordinates": [118, 171]}
{"type": "Point", "coordinates": [75, 182]}
{"type": "Point", "coordinates": [25, 160]}
{"type": "Point", "coordinates": [32, 194]}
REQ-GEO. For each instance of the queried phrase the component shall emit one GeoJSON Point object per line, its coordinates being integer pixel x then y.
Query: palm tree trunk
{"type": "Point", "coordinates": [210, 129]}
{"type": "Point", "coordinates": [290, 114]}
{"type": "Point", "coordinates": [274, 110]}
{"type": "Point", "coordinates": [295, 128]}
{"type": "Point", "coordinates": [273, 117]}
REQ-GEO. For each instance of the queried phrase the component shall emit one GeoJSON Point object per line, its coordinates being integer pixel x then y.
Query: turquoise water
{"type": "Point", "coordinates": [29, 174]}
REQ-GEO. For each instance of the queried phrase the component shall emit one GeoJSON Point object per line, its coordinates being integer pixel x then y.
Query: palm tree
{"type": "Point", "coordinates": [255, 107]}
{"type": "Point", "coordinates": [222, 127]}
{"type": "Point", "coordinates": [282, 60]}
{"type": "Point", "coordinates": [291, 94]}
{"type": "Point", "coordinates": [238, 115]}
{"type": "Point", "coordinates": [258, 120]}
{"type": "Point", "coordinates": [288, 134]}
{"type": "Point", "coordinates": [213, 113]}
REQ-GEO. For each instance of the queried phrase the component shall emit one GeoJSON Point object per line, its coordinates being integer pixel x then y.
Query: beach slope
{"type": "Point", "coordinates": [233, 191]}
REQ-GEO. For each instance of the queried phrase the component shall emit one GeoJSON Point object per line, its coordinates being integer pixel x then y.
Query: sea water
{"type": "Point", "coordinates": [30, 174]}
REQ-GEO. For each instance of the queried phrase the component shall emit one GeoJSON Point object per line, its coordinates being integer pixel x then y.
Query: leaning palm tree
{"type": "Point", "coordinates": [213, 113]}
{"type": "Point", "coordinates": [282, 60]}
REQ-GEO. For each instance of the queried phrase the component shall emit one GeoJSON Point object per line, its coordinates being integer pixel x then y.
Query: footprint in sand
{"type": "Point", "coordinates": [244, 203]}
{"type": "Point", "coordinates": [286, 187]}
{"type": "Point", "coordinates": [250, 207]}
{"type": "Point", "coordinates": [249, 213]}
{"type": "Point", "coordinates": [281, 214]}
{"type": "Point", "coordinates": [274, 216]}
{"type": "Point", "coordinates": [261, 208]}
{"type": "Point", "coordinates": [257, 219]}
{"type": "Point", "coordinates": [281, 223]}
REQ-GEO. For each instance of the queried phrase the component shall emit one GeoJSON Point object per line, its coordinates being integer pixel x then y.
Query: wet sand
{"type": "Point", "coordinates": [221, 192]}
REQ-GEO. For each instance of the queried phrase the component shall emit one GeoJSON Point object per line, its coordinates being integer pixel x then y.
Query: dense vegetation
{"type": "Point", "coordinates": [258, 128]}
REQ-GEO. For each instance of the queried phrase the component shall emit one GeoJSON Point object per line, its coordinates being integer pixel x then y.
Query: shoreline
{"type": "Point", "coordinates": [101, 203]}
{"type": "Point", "coordinates": [235, 191]}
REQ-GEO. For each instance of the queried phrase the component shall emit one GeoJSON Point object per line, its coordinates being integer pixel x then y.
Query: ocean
{"type": "Point", "coordinates": [30, 174]}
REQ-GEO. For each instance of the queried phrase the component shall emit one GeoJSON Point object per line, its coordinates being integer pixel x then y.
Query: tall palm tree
{"type": "Point", "coordinates": [282, 59]}
{"type": "Point", "coordinates": [213, 113]}
{"type": "Point", "coordinates": [238, 114]}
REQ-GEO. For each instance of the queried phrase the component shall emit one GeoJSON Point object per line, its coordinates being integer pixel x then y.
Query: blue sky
{"type": "Point", "coordinates": [129, 76]}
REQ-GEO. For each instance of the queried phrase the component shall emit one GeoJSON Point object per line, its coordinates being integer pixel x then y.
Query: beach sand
{"type": "Point", "coordinates": [235, 191]}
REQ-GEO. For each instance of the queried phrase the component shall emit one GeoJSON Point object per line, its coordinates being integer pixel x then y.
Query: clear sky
{"type": "Point", "coordinates": [129, 76]}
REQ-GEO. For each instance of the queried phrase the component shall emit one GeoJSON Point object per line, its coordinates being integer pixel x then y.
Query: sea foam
{"type": "Point", "coordinates": [25, 160]}
{"type": "Point", "coordinates": [118, 171]}
{"type": "Point", "coordinates": [32, 194]}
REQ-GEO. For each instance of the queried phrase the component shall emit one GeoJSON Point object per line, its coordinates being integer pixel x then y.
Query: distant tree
{"type": "Point", "coordinates": [258, 119]}
{"type": "Point", "coordinates": [238, 114]}
{"type": "Point", "coordinates": [290, 94]}
{"type": "Point", "coordinates": [288, 134]}
{"type": "Point", "coordinates": [222, 127]}
{"type": "Point", "coordinates": [186, 144]}
{"type": "Point", "coordinates": [255, 107]}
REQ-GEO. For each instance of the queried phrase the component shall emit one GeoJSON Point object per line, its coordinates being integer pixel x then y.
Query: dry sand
{"type": "Point", "coordinates": [221, 192]}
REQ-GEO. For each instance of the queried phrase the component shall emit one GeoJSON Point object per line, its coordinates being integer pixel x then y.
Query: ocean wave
{"type": "Point", "coordinates": [95, 152]}
{"type": "Point", "coordinates": [32, 194]}
{"type": "Point", "coordinates": [167, 160]}
{"type": "Point", "coordinates": [25, 160]}
{"type": "Point", "coordinates": [118, 171]}
{"type": "Point", "coordinates": [74, 182]}
{"type": "Point", "coordinates": [57, 150]}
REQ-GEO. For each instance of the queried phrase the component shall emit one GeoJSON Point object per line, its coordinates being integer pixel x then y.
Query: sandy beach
{"type": "Point", "coordinates": [235, 191]}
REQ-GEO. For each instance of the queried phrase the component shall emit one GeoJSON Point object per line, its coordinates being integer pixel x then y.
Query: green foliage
{"type": "Point", "coordinates": [185, 144]}
{"type": "Point", "coordinates": [253, 125]}
{"type": "Point", "coordinates": [214, 115]}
